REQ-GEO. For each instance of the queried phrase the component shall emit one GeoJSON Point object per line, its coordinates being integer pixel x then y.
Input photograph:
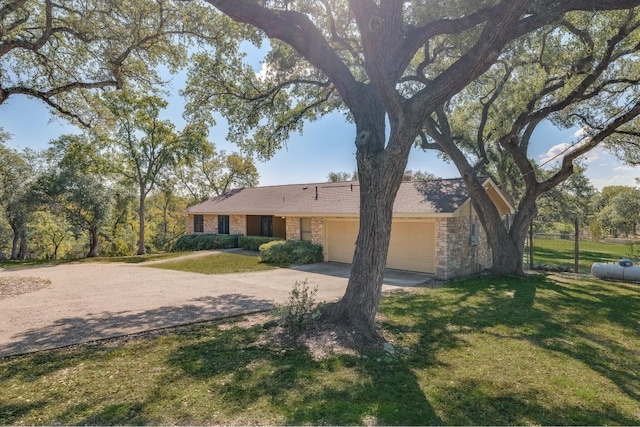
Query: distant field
{"type": "Point", "coordinates": [560, 252]}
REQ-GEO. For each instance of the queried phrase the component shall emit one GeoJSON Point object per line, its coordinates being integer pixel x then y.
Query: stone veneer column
{"type": "Point", "coordinates": [238, 224]}
{"type": "Point", "coordinates": [210, 224]}
{"type": "Point", "coordinates": [317, 230]}
{"type": "Point", "coordinates": [292, 225]}
{"type": "Point", "coordinates": [442, 248]}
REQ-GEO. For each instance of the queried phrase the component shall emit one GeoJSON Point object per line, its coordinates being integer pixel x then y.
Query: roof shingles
{"type": "Point", "coordinates": [339, 198]}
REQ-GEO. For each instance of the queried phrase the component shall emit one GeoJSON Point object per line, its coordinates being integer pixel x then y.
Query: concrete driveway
{"type": "Point", "coordinates": [87, 302]}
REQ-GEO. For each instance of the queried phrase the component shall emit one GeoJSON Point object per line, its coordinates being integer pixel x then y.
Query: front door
{"type": "Point", "coordinates": [266, 225]}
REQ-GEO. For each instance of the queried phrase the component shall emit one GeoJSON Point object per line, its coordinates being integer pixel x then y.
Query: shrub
{"type": "Point", "coordinates": [291, 252]}
{"type": "Point", "coordinates": [199, 242]}
{"type": "Point", "coordinates": [252, 243]}
{"type": "Point", "coordinates": [301, 309]}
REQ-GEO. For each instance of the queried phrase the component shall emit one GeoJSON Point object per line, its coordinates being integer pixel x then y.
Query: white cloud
{"type": "Point", "coordinates": [619, 179]}
{"type": "Point", "coordinates": [554, 153]}
{"type": "Point", "coordinates": [557, 152]}
{"type": "Point", "coordinates": [580, 133]}
{"type": "Point", "coordinates": [264, 72]}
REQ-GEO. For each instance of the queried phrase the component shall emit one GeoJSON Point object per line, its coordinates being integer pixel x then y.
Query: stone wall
{"type": "Point", "coordinates": [317, 229]}
{"type": "Point", "coordinates": [210, 224]}
{"type": "Point", "coordinates": [455, 255]}
{"type": "Point", "coordinates": [238, 224]}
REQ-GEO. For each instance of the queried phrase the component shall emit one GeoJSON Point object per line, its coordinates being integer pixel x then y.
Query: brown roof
{"type": "Point", "coordinates": [414, 198]}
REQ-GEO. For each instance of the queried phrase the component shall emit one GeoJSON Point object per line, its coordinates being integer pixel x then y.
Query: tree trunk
{"type": "Point", "coordinates": [380, 172]}
{"type": "Point", "coordinates": [93, 242]}
{"type": "Point", "coordinates": [15, 244]}
{"type": "Point", "coordinates": [141, 246]}
{"type": "Point", "coordinates": [24, 253]}
{"type": "Point", "coordinates": [507, 246]}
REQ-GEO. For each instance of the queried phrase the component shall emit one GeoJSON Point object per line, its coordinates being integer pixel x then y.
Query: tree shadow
{"type": "Point", "coordinates": [472, 400]}
{"type": "Point", "coordinates": [548, 311]}
{"type": "Point", "coordinates": [75, 330]}
{"type": "Point", "coordinates": [11, 413]}
{"type": "Point", "coordinates": [244, 372]}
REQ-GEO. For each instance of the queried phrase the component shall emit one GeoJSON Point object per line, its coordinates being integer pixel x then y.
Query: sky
{"type": "Point", "coordinates": [326, 145]}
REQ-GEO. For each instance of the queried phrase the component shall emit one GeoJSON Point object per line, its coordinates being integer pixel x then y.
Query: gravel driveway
{"type": "Point", "coordinates": [90, 301]}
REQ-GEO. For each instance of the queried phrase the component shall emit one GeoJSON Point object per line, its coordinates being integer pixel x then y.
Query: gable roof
{"type": "Point", "coordinates": [414, 198]}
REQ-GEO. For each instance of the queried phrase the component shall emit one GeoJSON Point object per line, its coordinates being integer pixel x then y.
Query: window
{"type": "Point", "coordinates": [305, 229]}
{"type": "Point", "coordinates": [223, 224]}
{"type": "Point", "coordinates": [198, 224]}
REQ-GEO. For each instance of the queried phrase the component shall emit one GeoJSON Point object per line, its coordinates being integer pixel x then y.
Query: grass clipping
{"type": "Point", "coordinates": [14, 286]}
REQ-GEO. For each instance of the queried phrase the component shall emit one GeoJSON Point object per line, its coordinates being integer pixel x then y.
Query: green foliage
{"type": "Point", "coordinates": [199, 242]}
{"type": "Point", "coordinates": [289, 252]}
{"type": "Point", "coordinates": [297, 315]}
{"type": "Point", "coordinates": [253, 243]}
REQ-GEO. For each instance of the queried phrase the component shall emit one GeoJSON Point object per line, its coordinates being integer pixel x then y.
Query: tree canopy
{"type": "Point", "coordinates": [61, 52]}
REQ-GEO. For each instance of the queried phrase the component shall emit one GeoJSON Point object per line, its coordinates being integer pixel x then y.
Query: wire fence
{"type": "Point", "coordinates": [561, 252]}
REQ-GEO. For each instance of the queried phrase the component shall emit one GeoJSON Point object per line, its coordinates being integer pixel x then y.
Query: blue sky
{"type": "Point", "coordinates": [326, 145]}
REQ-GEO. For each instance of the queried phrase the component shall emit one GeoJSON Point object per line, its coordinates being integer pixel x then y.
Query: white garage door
{"type": "Point", "coordinates": [412, 245]}
{"type": "Point", "coordinates": [341, 240]}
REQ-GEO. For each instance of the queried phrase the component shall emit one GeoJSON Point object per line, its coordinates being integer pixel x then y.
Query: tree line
{"type": "Point", "coordinates": [92, 193]}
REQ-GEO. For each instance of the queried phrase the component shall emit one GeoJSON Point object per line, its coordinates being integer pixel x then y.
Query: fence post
{"type": "Point", "coordinates": [531, 245]}
{"type": "Point", "coordinates": [576, 246]}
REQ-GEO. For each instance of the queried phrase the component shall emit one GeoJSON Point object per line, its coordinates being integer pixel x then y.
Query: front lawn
{"type": "Point", "coordinates": [219, 263]}
{"type": "Point", "coordinates": [549, 350]}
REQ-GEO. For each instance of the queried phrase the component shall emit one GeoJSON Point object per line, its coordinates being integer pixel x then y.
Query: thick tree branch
{"type": "Point", "coordinates": [298, 31]}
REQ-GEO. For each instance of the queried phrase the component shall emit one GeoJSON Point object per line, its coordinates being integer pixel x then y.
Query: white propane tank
{"type": "Point", "coordinates": [624, 270]}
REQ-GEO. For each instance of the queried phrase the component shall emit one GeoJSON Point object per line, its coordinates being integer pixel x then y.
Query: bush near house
{"type": "Point", "coordinates": [291, 252]}
{"type": "Point", "coordinates": [252, 243]}
{"type": "Point", "coordinates": [199, 242]}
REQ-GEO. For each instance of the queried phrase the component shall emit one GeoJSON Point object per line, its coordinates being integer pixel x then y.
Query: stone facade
{"type": "Point", "coordinates": [238, 224]}
{"type": "Point", "coordinates": [455, 253]}
{"type": "Point", "coordinates": [210, 223]}
{"type": "Point", "coordinates": [317, 229]}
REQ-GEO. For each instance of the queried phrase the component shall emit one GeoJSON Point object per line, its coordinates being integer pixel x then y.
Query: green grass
{"type": "Point", "coordinates": [560, 252]}
{"type": "Point", "coordinates": [216, 264]}
{"type": "Point", "coordinates": [546, 350]}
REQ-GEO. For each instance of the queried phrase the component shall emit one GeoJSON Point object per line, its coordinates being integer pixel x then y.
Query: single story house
{"type": "Point", "coordinates": [435, 228]}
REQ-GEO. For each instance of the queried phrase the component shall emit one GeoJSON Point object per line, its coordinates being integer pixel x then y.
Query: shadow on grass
{"type": "Point", "coordinates": [474, 400]}
{"type": "Point", "coordinates": [74, 330]}
{"type": "Point", "coordinates": [11, 413]}
{"type": "Point", "coordinates": [302, 389]}
{"type": "Point", "coordinates": [550, 313]}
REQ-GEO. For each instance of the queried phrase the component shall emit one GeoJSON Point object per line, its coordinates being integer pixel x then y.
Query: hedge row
{"type": "Point", "coordinates": [287, 252]}
{"type": "Point", "coordinates": [200, 242]}
{"type": "Point", "coordinates": [252, 243]}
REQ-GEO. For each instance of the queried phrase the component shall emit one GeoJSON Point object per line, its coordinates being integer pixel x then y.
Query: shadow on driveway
{"type": "Point", "coordinates": [74, 330]}
{"type": "Point", "coordinates": [391, 277]}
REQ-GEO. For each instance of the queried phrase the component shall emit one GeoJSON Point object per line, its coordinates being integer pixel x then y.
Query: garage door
{"type": "Point", "coordinates": [412, 245]}
{"type": "Point", "coordinates": [341, 240]}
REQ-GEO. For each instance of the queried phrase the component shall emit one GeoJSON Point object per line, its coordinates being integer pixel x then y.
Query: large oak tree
{"type": "Point", "coordinates": [385, 61]}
